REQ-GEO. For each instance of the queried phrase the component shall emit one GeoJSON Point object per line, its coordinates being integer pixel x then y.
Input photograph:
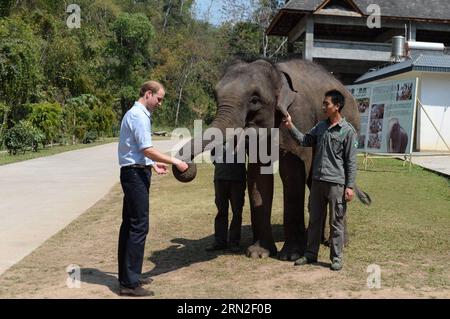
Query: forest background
{"type": "Point", "coordinates": [61, 84]}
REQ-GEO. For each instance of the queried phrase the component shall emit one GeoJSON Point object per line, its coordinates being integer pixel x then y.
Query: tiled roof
{"type": "Point", "coordinates": [422, 63]}
{"type": "Point", "coordinates": [418, 9]}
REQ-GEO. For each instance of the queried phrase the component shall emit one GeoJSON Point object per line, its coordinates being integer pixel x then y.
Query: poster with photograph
{"type": "Point", "coordinates": [387, 115]}
{"type": "Point", "coordinates": [362, 96]}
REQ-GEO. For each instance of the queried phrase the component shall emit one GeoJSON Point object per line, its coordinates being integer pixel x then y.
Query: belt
{"type": "Point", "coordinates": [138, 166]}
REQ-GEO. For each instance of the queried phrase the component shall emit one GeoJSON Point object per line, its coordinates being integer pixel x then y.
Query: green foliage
{"type": "Point", "coordinates": [5, 7]}
{"type": "Point", "coordinates": [71, 83]}
{"type": "Point", "coordinates": [4, 111]}
{"type": "Point", "coordinates": [90, 137]}
{"type": "Point", "coordinates": [20, 67]}
{"type": "Point", "coordinates": [47, 117]}
{"type": "Point", "coordinates": [86, 113]}
{"type": "Point", "coordinates": [241, 37]}
{"type": "Point", "coordinates": [21, 137]}
{"type": "Point", "coordinates": [102, 121]}
{"type": "Point", "coordinates": [133, 34]}
{"type": "Point", "coordinates": [64, 67]}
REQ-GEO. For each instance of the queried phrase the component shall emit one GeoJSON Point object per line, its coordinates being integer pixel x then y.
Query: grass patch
{"type": "Point", "coordinates": [405, 232]}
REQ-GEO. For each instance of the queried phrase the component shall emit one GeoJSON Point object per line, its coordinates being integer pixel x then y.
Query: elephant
{"type": "Point", "coordinates": [259, 94]}
{"type": "Point", "coordinates": [397, 137]}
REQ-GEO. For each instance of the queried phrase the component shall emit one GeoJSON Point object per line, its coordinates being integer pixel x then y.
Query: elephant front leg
{"type": "Point", "coordinates": [292, 172]}
{"type": "Point", "coordinates": [260, 190]}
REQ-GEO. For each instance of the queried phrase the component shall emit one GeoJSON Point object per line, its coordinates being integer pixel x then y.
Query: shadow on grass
{"type": "Point", "coordinates": [183, 253]}
{"type": "Point", "coordinates": [186, 252]}
{"type": "Point", "coordinates": [98, 277]}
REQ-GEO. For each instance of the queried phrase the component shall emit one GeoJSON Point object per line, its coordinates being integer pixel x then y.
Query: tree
{"type": "Point", "coordinates": [20, 67]}
{"type": "Point", "coordinates": [102, 120]}
{"type": "Point", "coordinates": [77, 116]}
{"type": "Point", "coordinates": [4, 111]}
{"type": "Point", "coordinates": [47, 117]}
{"type": "Point", "coordinates": [5, 7]}
{"type": "Point", "coordinates": [86, 113]}
{"type": "Point", "coordinates": [247, 22]}
{"type": "Point", "coordinates": [21, 137]}
{"type": "Point", "coordinates": [64, 68]}
{"type": "Point", "coordinates": [130, 49]}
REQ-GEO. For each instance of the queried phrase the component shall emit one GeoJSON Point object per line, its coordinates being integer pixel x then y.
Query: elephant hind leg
{"type": "Point", "coordinates": [293, 176]}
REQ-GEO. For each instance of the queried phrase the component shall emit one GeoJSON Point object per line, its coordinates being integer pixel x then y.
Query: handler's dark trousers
{"type": "Point", "coordinates": [233, 191]}
{"type": "Point", "coordinates": [135, 220]}
{"type": "Point", "coordinates": [325, 194]}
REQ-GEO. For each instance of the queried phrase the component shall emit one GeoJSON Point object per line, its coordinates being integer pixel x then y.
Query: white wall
{"type": "Point", "coordinates": [434, 93]}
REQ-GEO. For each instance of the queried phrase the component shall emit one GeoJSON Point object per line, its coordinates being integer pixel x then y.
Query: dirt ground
{"type": "Point", "coordinates": [181, 227]}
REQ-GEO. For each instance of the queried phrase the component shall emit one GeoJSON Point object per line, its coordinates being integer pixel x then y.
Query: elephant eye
{"type": "Point", "coordinates": [254, 100]}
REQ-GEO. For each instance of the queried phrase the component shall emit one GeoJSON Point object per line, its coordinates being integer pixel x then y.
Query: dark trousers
{"type": "Point", "coordinates": [325, 194]}
{"type": "Point", "coordinates": [233, 192]}
{"type": "Point", "coordinates": [135, 223]}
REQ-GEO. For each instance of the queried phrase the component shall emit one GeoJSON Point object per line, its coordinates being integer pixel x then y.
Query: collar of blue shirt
{"type": "Point", "coordinates": [143, 108]}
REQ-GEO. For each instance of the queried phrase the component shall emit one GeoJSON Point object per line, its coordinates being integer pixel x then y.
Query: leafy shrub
{"type": "Point", "coordinates": [90, 137]}
{"type": "Point", "coordinates": [21, 137]}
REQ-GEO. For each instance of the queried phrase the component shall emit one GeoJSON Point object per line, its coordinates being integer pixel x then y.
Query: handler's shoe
{"type": "Point", "coordinates": [135, 292]}
{"type": "Point", "coordinates": [303, 261]}
{"type": "Point", "coordinates": [336, 265]}
{"type": "Point", "coordinates": [145, 281]}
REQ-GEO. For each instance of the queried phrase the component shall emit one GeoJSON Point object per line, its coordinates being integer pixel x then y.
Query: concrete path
{"type": "Point", "coordinates": [440, 164]}
{"type": "Point", "coordinates": [40, 197]}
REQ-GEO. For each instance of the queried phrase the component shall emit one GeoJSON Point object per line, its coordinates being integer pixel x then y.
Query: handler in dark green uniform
{"type": "Point", "coordinates": [229, 185]}
{"type": "Point", "coordinates": [334, 174]}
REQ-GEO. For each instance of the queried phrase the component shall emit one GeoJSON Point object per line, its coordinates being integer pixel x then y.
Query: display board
{"type": "Point", "coordinates": [387, 113]}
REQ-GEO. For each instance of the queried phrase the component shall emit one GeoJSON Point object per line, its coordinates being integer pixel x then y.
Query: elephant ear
{"type": "Point", "coordinates": [287, 94]}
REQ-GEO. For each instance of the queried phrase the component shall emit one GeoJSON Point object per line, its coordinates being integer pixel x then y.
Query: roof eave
{"type": "Point", "coordinates": [281, 12]}
{"type": "Point", "coordinates": [279, 15]}
{"type": "Point", "coordinates": [383, 75]}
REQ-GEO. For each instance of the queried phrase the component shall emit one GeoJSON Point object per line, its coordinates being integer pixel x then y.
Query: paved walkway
{"type": "Point", "coordinates": [440, 164]}
{"type": "Point", "coordinates": [40, 197]}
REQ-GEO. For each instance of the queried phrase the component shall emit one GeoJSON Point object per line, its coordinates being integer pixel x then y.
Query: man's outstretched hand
{"type": "Point", "coordinates": [160, 168]}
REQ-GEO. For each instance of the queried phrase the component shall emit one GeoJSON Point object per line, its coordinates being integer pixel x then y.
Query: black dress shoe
{"type": "Point", "coordinates": [145, 281]}
{"type": "Point", "coordinates": [135, 292]}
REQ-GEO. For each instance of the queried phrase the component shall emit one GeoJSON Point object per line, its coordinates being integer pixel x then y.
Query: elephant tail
{"type": "Point", "coordinates": [363, 196]}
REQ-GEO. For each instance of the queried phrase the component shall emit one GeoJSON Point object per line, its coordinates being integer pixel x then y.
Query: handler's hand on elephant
{"type": "Point", "coordinates": [349, 194]}
{"type": "Point", "coordinates": [287, 120]}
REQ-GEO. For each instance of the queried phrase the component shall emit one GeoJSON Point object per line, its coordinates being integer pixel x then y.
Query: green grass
{"type": "Point", "coordinates": [405, 231]}
{"type": "Point", "coordinates": [5, 158]}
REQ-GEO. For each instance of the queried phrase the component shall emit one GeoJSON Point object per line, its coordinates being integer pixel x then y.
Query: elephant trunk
{"type": "Point", "coordinates": [225, 118]}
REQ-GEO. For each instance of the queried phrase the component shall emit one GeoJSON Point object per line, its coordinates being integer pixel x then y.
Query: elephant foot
{"type": "Point", "coordinates": [291, 252]}
{"type": "Point", "coordinates": [258, 251]}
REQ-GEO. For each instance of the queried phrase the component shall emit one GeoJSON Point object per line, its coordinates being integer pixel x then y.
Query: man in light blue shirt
{"type": "Point", "coordinates": [135, 137]}
{"type": "Point", "coordinates": [137, 157]}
